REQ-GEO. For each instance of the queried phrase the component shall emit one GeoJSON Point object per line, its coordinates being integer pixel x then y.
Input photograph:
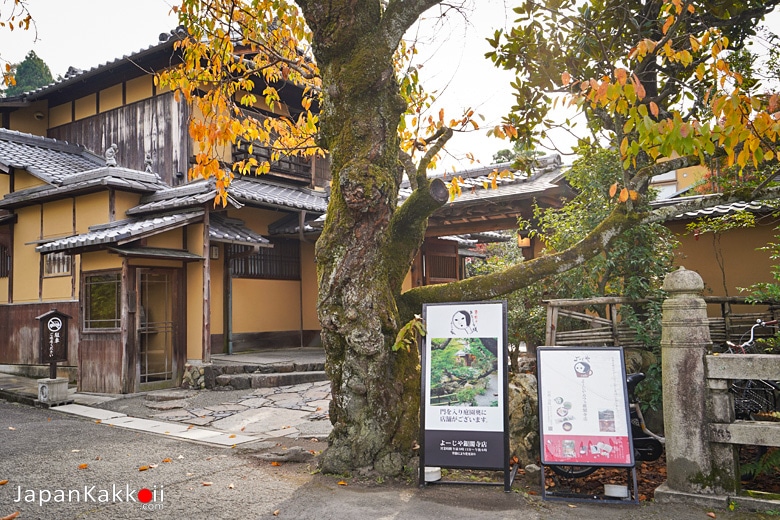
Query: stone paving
{"type": "Point", "coordinates": [287, 411]}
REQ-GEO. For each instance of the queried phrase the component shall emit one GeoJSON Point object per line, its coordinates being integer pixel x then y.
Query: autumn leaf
{"type": "Point", "coordinates": [342, 483]}
{"type": "Point", "coordinates": [711, 515]}
{"type": "Point", "coordinates": [275, 463]}
{"type": "Point", "coordinates": [276, 513]}
{"type": "Point", "coordinates": [633, 195]}
{"type": "Point", "coordinates": [565, 78]}
{"type": "Point", "coordinates": [623, 195]}
{"type": "Point", "coordinates": [3, 482]}
{"type": "Point", "coordinates": [83, 466]}
{"type": "Point", "coordinates": [654, 109]}
{"type": "Point", "coordinates": [613, 190]}
{"type": "Point", "coordinates": [11, 516]}
{"type": "Point", "coordinates": [98, 421]}
{"type": "Point", "coordinates": [232, 436]}
{"type": "Point", "coordinates": [167, 459]}
{"type": "Point", "coordinates": [207, 483]}
{"type": "Point", "coordinates": [143, 468]}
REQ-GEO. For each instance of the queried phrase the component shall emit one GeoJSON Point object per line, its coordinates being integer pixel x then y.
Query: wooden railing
{"type": "Point", "coordinates": [736, 317]}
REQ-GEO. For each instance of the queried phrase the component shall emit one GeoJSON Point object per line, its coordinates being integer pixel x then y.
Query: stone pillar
{"type": "Point", "coordinates": [685, 339]}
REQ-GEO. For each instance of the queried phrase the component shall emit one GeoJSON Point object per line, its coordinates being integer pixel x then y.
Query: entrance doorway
{"type": "Point", "coordinates": [156, 326]}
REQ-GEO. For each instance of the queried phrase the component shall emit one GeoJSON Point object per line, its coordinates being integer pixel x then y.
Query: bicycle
{"type": "Point", "coordinates": [647, 445]}
{"type": "Point", "coordinates": [752, 396]}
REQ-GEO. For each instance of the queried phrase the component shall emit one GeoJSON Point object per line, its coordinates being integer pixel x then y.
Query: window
{"type": "Point", "coordinates": [280, 262]}
{"type": "Point", "coordinates": [102, 301]}
{"type": "Point", "coordinates": [56, 264]}
{"type": "Point", "coordinates": [5, 261]}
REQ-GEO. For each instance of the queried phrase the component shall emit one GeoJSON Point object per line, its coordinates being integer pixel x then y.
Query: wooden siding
{"type": "Point", "coordinates": [100, 366]}
{"type": "Point", "coordinates": [156, 125]}
{"type": "Point", "coordinates": [20, 341]}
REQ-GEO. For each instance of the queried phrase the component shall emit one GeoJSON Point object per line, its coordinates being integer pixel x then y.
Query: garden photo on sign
{"type": "Point", "coordinates": [464, 372]}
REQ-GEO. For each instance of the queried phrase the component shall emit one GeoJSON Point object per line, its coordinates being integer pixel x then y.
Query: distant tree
{"type": "Point", "coordinates": [30, 74]}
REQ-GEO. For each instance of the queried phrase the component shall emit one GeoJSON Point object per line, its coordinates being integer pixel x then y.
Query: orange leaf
{"type": "Point", "coordinates": [654, 109]}
{"type": "Point", "coordinates": [275, 463]}
{"type": "Point", "coordinates": [342, 483]}
{"type": "Point", "coordinates": [711, 514]}
{"type": "Point", "coordinates": [98, 421]}
{"type": "Point", "coordinates": [167, 459]}
{"type": "Point", "coordinates": [623, 195]}
{"type": "Point", "coordinates": [11, 516]}
{"type": "Point", "coordinates": [613, 190]}
{"type": "Point", "coordinates": [83, 466]}
{"type": "Point", "coordinates": [232, 436]}
{"type": "Point", "coordinates": [633, 195]}
{"type": "Point", "coordinates": [3, 482]}
{"type": "Point", "coordinates": [143, 468]}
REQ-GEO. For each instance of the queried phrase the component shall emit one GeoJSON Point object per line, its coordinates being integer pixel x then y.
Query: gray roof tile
{"type": "Point", "coordinates": [233, 231]}
{"type": "Point", "coordinates": [121, 232]}
{"type": "Point", "coordinates": [48, 159]}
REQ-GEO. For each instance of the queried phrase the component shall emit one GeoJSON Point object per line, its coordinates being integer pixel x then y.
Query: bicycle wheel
{"type": "Point", "coordinates": [574, 471]}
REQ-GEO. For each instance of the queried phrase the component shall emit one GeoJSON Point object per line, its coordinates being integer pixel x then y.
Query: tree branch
{"type": "Point", "coordinates": [400, 15]}
{"type": "Point", "coordinates": [408, 225]}
{"type": "Point", "coordinates": [523, 274]}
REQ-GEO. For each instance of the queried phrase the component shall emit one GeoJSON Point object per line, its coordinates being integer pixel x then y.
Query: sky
{"type": "Point", "coordinates": [87, 33]}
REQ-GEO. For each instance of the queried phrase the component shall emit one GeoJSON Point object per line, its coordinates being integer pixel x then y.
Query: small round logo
{"type": "Point", "coordinates": [144, 495]}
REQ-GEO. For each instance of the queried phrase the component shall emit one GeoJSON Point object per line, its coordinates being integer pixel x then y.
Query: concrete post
{"type": "Point", "coordinates": [685, 339]}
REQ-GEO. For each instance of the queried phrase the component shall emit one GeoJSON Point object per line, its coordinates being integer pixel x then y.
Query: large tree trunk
{"type": "Point", "coordinates": [375, 391]}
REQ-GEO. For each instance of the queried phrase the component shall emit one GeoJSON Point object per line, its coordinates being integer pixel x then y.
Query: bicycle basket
{"type": "Point", "coordinates": [752, 397]}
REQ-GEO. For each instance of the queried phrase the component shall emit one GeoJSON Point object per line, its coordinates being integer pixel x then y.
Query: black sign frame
{"type": "Point", "coordinates": [467, 449]}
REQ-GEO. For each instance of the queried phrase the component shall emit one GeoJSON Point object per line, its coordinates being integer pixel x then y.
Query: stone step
{"type": "Point", "coordinates": [246, 381]}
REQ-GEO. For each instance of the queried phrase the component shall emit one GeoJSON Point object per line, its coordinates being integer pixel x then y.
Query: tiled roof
{"type": "Point", "coordinates": [65, 168]}
{"type": "Point", "coordinates": [254, 192]}
{"type": "Point", "coordinates": [545, 175]}
{"type": "Point", "coordinates": [121, 232]}
{"type": "Point", "coordinates": [233, 231]}
{"type": "Point", "coordinates": [48, 159]}
{"type": "Point", "coordinates": [713, 211]}
{"type": "Point", "coordinates": [75, 76]}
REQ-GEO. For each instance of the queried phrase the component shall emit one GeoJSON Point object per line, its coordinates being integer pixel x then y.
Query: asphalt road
{"type": "Point", "coordinates": [61, 467]}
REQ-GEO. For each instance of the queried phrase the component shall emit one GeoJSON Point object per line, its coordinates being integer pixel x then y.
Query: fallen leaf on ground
{"type": "Point", "coordinates": [83, 466]}
{"type": "Point", "coordinates": [191, 426]}
{"type": "Point", "coordinates": [711, 514]}
{"type": "Point", "coordinates": [3, 482]}
{"type": "Point", "coordinates": [167, 459]}
{"type": "Point", "coordinates": [342, 483]}
{"type": "Point", "coordinates": [11, 516]}
{"type": "Point", "coordinates": [232, 436]}
{"type": "Point", "coordinates": [207, 483]}
{"type": "Point", "coordinates": [276, 513]}
{"type": "Point", "coordinates": [242, 428]}
{"type": "Point", "coordinates": [98, 421]}
{"type": "Point", "coordinates": [275, 463]}
{"type": "Point", "coordinates": [143, 468]}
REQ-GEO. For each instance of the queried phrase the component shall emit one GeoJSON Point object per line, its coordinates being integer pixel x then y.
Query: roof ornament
{"type": "Point", "coordinates": [111, 152]}
{"type": "Point", "coordinates": [148, 162]}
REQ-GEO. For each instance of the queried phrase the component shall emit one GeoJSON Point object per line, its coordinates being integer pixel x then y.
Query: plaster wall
{"type": "Point", "coordinates": [138, 89]}
{"type": "Point", "coordinates": [742, 263]}
{"type": "Point", "coordinates": [110, 98]}
{"type": "Point", "coordinates": [26, 261]}
{"type": "Point", "coordinates": [90, 210]}
{"type": "Point", "coordinates": [195, 296]}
